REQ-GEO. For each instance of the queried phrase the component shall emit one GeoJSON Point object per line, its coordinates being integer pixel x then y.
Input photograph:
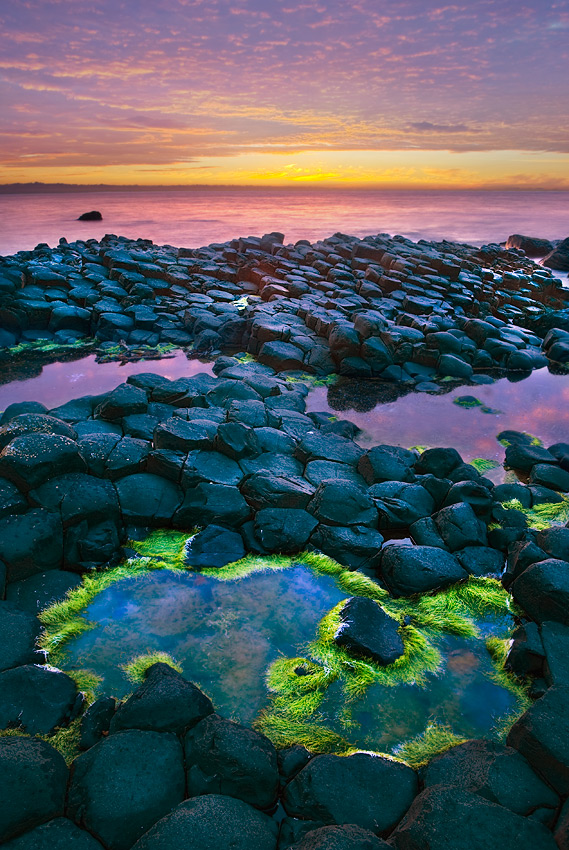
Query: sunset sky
{"type": "Point", "coordinates": [373, 92]}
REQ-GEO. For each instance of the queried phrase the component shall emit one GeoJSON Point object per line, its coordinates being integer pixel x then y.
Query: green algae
{"type": "Point", "coordinates": [120, 352]}
{"type": "Point", "coordinates": [42, 347]}
{"type": "Point", "coordinates": [544, 515]}
{"type": "Point", "coordinates": [63, 739]}
{"type": "Point", "coordinates": [482, 464]}
{"type": "Point", "coordinates": [436, 739]}
{"type": "Point", "coordinates": [467, 401]}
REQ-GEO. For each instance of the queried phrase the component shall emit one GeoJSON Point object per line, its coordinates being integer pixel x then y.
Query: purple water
{"type": "Point", "coordinates": [199, 216]}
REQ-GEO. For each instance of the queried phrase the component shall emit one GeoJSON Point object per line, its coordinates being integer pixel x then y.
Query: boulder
{"type": "Point", "coordinates": [31, 459]}
{"type": "Point", "coordinates": [223, 757]}
{"type": "Point", "coordinates": [555, 642]}
{"type": "Point", "coordinates": [33, 423]}
{"type": "Point", "coordinates": [319, 471]}
{"type": "Point", "coordinates": [165, 702]}
{"type": "Point", "coordinates": [210, 467]}
{"type": "Point", "coordinates": [96, 721]}
{"type": "Point", "coordinates": [554, 541]}
{"type": "Point", "coordinates": [265, 490]}
{"type": "Point", "coordinates": [496, 772]}
{"type": "Point", "coordinates": [342, 503]}
{"type": "Point", "coordinates": [31, 543]}
{"type": "Point", "coordinates": [441, 818]}
{"type": "Point", "coordinates": [542, 736]}
{"type": "Point", "coordinates": [214, 547]}
{"type": "Point", "coordinates": [317, 446]}
{"type": "Point", "coordinates": [558, 259]}
{"type": "Point", "coordinates": [37, 698]}
{"type": "Point", "coordinates": [124, 784]}
{"type": "Point", "coordinates": [237, 441]}
{"type": "Point", "coordinates": [78, 496]}
{"type": "Point", "coordinates": [283, 529]}
{"type": "Point", "coordinates": [33, 778]}
{"type": "Point", "coordinates": [542, 590]}
{"type": "Point", "coordinates": [439, 462]}
{"type": "Point", "coordinates": [346, 837]}
{"type": "Point", "coordinates": [124, 400]}
{"type": "Point", "coordinates": [57, 834]}
{"type": "Point", "coordinates": [524, 456]}
{"type": "Point", "coordinates": [459, 526]}
{"type": "Point", "coordinates": [357, 547]}
{"type": "Point", "coordinates": [146, 499]}
{"type": "Point", "coordinates": [532, 246]}
{"type": "Point", "coordinates": [93, 215]}
{"type": "Point", "coordinates": [399, 505]}
{"type": "Point", "coordinates": [179, 435]}
{"type": "Point", "coordinates": [367, 630]}
{"type": "Point", "coordinates": [11, 500]}
{"type": "Point", "coordinates": [417, 569]}
{"type": "Point", "coordinates": [19, 631]}
{"type": "Point", "coordinates": [211, 503]}
{"type": "Point", "coordinates": [547, 475]}
{"type": "Point", "coordinates": [481, 560]}
{"type": "Point", "coordinates": [363, 789]}
{"type": "Point", "coordinates": [127, 457]}
{"type": "Point", "coordinates": [213, 822]}
{"type": "Point", "coordinates": [281, 356]}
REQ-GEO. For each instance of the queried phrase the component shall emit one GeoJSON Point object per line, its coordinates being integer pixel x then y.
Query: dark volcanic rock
{"type": "Point", "coordinates": [165, 702]}
{"type": "Point", "coordinates": [387, 463]}
{"type": "Point", "coordinates": [19, 632]}
{"type": "Point", "coordinates": [439, 462]}
{"type": "Point", "coordinates": [542, 736]}
{"type": "Point", "coordinates": [124, 784]}
{"type": "Point", "coordinates": [93, 215]}
{"type": "Point", "coordinates": [459, 526]}
{"type": "Point", "coordinates": [265, 490]}
{"type": "Point", "coordinates": [58, 834]}
{"type": "Point", "coordinates": [213, 822]}
{"type": "Point", "coordinates": [31, 459]}
{"type": "Point", "coordinates": [31, 543]}
{"type": "Point", "coordinates": [367, 630]}
{"type": "Point", "coordinates": [357, 547]}
{"type": "Point", "coordinates": [532, 246]}
{"type": "Point", "coordinates": [96, 721]}
{"type": "Point", "coordinates": [37, 698]}
{"type": "Point", "coordinates": [37, 592]}
{"type": "Point", "coordinates": [494, 771]}
{"type": "Point", "coordinates": [558, 258]}
{"type": "Point", "coordinates": [441, 818]}
{"type": "Point", "coordinates": [342, 503]}
{"type": "Point", "coordinates": [283, 529]}
{"type": "Point", "coordinates": [542, 590]}
{"type": "Point", "coordinates": [146, 499]}
{"type": "Point", "coordinates": [223, 757]}
{"type": "Point", "coordinates": [214, 547]}
{"type": "Point", "coordinates": [33, 779]}
{"type": "Point", "coordinates": [367, 790]}
{"type": "Point", "coordinates": [418, 569]}
{"type": "Point", "coordinates": [347, 837]}
{"type": "Point", "coordinates": [212, 503]}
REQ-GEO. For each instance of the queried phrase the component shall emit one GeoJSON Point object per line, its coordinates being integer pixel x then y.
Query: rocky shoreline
{"type": "Point", "coordinates": [237, 456]}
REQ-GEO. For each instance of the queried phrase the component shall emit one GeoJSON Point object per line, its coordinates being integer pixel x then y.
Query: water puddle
{"type": "Point", "coordinates": [227, 635]}
{"type": "Point", "coordinates": [57, 383]}
{"type": "Point", "coordinates": [539, 405]}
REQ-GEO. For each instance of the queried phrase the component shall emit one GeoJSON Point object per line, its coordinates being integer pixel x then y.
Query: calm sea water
{"type": "Point", "coordinates": [199, 216]}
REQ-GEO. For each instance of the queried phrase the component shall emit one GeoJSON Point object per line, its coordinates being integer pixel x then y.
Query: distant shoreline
{"type": "Point", "coordinates": [77, 188]}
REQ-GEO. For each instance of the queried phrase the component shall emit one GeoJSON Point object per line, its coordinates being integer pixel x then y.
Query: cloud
{"type": "Point", "coordinates": [427, 127]}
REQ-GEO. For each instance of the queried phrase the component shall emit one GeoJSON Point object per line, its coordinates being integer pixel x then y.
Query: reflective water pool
{"type": "Point", "coordinates": [226, 634]}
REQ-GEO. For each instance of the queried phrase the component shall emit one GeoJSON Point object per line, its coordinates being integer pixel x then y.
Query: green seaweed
{"type": "Point", "coordinates": [88, 683]}
{"type": "Point", "coordinates": [483, 464]}
{"type": "Point", "coordinates": [120, 351]}
{"type": "Point", "coordinates": [137, 668]}
{"type": "Point", "coordinates": [64, 739]}
{"type": "Point", "coordinates": [436, 739]}
{"type": "Point", "coordinates": [545, 515]}
{"type": "Point", "coordinates": [40, 346]}
{"type": "Point", "coordinates": [467, 401]}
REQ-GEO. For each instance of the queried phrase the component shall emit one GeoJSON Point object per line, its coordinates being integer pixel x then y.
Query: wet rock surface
{"type": "Point", "coordinates": [237, 458]}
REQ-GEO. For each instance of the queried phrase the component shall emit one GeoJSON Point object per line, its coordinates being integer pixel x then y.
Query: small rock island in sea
{"type": "Point", "coordinates": [94, 215]}
{"type": "Point", "coordinates": [226, 474]}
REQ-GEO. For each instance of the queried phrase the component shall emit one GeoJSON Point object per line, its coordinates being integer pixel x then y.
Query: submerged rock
{"type": "Point", "coordinates": [93, 215]}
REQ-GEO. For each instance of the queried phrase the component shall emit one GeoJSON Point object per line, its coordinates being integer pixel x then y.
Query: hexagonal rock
{"type": "Point", "coordinates": [124, 784]}
{"type": "Point", "coordinates": [347, 837]}
{"type": "Point", "coordinates": [211, 503]}
{"type": "Point", "coordinates": [58, 834]}
{"type": "Point", "coordinates": [223, 757]}
{"type": "Point", "coordinates": [31, 543]}
{"type": "Point", "coordinates": [494, 771]}
{"type": "Point", "coordinates": [124, 400]}
{"type": "Point", "coordinates": [37, 698]}
{"type": "Point", "coordinates": [147, 499]}
{"type": "Point", "coordinates": [342, 503]}
{"type": "Point", "coordinates": [165, 702]}
{"type": "Point", "coordinates": [19, 631]}
{"type": "Point", "coordinates": [387, 463]}
{"type": "Point", "coordinates": [315, 445]}
{"type": "Point", "coordinates": [357, 547]}
{"type": "Point", "coordinates": [459, 526]}
{"type": "Point", "coordinates": [214, 547]}
{"type": "Point", "coordinates": [442, 818]}
{"type": "Point", "coordinates": [439, 462]}
{"type": "Point", "coordinates": [33, 779]}
{"type": "Point", "coordinates": [265, 490]}
{"type": "Point", "coordinates": [542, 590]}
{"type": "Point", "coordinates": [283, 529]}
{"type": "Point", "coordinates": [179, 435]}
{"type": "Point", "coordinates": [29, 423]}
{"type": "Point", "coordinates": [30, 460]}
{"type": "Point", "coordinates": [367, 630]}
{"type": "Point", "coordinates": [362, 789]}
{"type": "Point", "coordinates": [418, 569]}
{"type": "Point", "coordinates": [542, 736]}
{"type": "Point", "coordinates": [523, 457]}
{"type": "Point", "coordinates": [213, 822]}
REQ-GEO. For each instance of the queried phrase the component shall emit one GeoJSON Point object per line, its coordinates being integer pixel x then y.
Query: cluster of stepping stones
{"type": "Point", "coordinates": [237, 456]}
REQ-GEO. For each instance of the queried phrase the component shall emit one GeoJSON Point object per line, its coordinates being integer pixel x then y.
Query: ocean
{"type": "Point", "coordinates": [197, 216]}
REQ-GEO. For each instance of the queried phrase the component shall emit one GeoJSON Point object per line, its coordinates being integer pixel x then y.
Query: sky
{"type": "Point", "coordinates": [394, 93]}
